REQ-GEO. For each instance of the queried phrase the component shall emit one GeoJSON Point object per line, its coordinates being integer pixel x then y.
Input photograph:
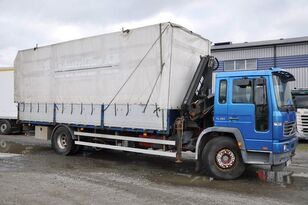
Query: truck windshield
{"type": "Point", "coordinates": [283, 94]}
{"type": "Point", "coordinates": [300, 101]}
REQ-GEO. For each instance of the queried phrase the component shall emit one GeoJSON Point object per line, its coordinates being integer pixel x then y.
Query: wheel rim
{"type": "Point", "coordinates": [62, 141]}
{"type": "Point", "coordinates": [225, 159]}
{"type": "Point", "coordinates": [3, 127]}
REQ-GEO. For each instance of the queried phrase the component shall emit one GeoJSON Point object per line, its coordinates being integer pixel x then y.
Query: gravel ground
{"type": "Point", "coordinates": [31, 173]}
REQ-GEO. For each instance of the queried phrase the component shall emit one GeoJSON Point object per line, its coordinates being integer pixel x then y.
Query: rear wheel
{"type": "Point", "coordinates": [5, 127]}
{"type": "Point", "coordinates": [221, 159]}
{"type": "Point", "coordinates": [62, 141]}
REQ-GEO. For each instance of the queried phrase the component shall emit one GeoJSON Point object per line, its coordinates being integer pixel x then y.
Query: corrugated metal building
{"type": "Point", "coordinates": [290, 54]}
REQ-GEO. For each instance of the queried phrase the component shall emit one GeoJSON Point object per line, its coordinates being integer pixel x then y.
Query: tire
{"type": "Point", "coordinates": [62, 141]}
{"type": "Point", "coordinates": [221, 159]}
{"type": "Point", "coordinates": [5, 127]}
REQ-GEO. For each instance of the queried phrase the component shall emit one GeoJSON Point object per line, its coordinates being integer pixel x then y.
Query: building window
{"type": "Point", "coordinates": [248, 64]}
{"type": "Point", "coordinates": [251, 64]}
{"type": "Point", "coordinates": [242, 91]}
{"type": "Point", "coordinates": [229, 65]}
{"type": "Point", "coordinates": [240, 65]}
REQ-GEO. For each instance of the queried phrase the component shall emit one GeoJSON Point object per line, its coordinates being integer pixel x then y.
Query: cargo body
{"type": "Point", "coordinates": [132, 79]}
{"type": "Point", "coordinates": [8, 109]}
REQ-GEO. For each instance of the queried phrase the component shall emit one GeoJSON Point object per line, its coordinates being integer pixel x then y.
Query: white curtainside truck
{"type": "Point", "coordinates": [300, 98]}
{"type": "Point", "coordinates": [8, 109]}
{"type": "Point", "coordinates": [149, 90]}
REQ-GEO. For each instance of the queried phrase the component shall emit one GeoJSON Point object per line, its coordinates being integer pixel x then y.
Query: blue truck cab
{"type": "Point", "coordinates": [257, 106]}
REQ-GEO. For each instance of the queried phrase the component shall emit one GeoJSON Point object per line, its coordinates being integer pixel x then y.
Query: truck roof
{"type": "Point", "coordinates": [115, 32]}
{"type": "Point", "coordinates": [248, 73]}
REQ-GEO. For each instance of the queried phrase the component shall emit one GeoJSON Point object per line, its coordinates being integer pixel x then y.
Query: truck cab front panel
{"type": "Point", "coordinates": [253, 102]}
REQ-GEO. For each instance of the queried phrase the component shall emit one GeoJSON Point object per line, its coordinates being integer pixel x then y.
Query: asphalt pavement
{"type": "Point", "coordinates": [32, 173]}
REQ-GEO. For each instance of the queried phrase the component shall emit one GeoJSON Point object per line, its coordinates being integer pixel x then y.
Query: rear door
{"type": "Point", "coordinates": [248, 110]}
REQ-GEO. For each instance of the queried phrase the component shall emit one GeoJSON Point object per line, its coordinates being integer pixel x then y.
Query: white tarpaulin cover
{"type": "Point", "coordinates": [130, 67]}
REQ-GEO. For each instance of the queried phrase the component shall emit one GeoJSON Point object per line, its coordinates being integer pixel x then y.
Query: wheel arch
{"type": "Point", "coordinates": [211, 132]}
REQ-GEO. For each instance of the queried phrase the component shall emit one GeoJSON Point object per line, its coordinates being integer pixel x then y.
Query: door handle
{"type": "Point", "coordinates": [233, 118]}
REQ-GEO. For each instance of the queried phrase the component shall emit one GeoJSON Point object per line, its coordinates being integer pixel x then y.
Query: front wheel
{"type": "Point", "coordinates": [221, 159]}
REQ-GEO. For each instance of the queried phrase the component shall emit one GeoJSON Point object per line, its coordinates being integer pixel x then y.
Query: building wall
{"type": "Point", "coordinates": [301, 76]}
{"type": "Point", "coordinates": [292, 57]}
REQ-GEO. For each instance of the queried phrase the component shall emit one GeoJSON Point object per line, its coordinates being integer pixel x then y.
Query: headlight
{"type": "Point", "coordinates": [277, 124]}
{"type": "Point", "coordinates": [285, 148]}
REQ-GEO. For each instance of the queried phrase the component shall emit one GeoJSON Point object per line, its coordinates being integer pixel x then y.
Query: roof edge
{"type": "Point", "coordinates": [265, 43]}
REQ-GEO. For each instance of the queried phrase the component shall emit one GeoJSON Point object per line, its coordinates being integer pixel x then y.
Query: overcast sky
{"type": "Point", "coordinates": [23, 23]}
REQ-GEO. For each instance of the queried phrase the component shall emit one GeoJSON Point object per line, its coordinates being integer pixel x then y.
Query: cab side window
{"type": "Point", "coordinates": [222, 92]}
{"type": "Point", "coordinates": [260, 100]}
{"type": "Point", "coordinates": [242, 91]}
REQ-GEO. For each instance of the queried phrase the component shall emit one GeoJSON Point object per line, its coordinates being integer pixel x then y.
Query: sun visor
{"type": "Point", "coordinates": [284, 76]}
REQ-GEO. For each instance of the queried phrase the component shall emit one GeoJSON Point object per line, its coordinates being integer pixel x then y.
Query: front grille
{"type": "Point", "coordinates": [302, 123]}
{"type": "Point", "coordinates": [289, 128]}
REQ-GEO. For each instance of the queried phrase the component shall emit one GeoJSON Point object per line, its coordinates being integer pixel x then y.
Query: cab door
{"type": "Point", "coordinates": [221, 103]}
{"type": "Point", "coordinates": [248, 110]}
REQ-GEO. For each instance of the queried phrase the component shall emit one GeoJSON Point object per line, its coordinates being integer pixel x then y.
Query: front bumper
{"type": "Point", "coordinates": [281, 158]}
{"type": "Point", "coordinates": [283, 151]}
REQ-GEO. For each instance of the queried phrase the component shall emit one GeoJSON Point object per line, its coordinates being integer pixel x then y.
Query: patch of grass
{"type": "Point", "coordinates": [302, 147]}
